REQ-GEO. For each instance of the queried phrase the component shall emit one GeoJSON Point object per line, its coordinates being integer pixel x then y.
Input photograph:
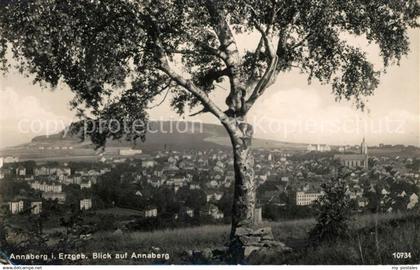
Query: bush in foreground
{"type": "Point", "coordinates": [333, 211]}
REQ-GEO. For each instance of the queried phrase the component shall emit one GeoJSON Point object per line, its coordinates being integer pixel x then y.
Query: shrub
{"type": "Point", "coordinates": [332, 212]}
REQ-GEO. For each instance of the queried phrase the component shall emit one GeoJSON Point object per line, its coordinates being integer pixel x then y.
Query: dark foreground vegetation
{"type": "Point", "coordinates": [394, 240]}
{"type": "Point", "coordinates": [372, 239]}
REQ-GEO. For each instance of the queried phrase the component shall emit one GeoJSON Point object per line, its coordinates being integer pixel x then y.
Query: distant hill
{"type": "Point", "coordinates": [174, 135]}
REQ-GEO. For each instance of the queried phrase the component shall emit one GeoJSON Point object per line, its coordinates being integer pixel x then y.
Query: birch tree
{"type": "Point", "coordinates": [143, 49]}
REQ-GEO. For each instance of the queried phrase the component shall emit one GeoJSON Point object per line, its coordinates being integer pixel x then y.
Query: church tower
{"type": "Point", "coordinates": [363, 147]}
{"type": "Point", "coordinates": [364, 152]}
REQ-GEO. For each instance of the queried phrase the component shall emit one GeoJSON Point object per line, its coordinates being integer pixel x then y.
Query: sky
{"type": "Point", "coordinates": [290, 110]}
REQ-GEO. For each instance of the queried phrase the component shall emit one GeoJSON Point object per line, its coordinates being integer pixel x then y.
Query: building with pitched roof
{"type": "Point", "coordinates": [355, 160]}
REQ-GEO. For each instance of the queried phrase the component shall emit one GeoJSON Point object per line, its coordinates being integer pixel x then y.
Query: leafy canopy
{"type": "Point", "coordinates": [119, 56]}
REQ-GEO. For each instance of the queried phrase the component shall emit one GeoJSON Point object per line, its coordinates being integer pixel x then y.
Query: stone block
{"type": "Point", "coordinates": [265, 233]}
{"type": "Point", "coordinates": [249, 249]}
{"type": "Point", "coordinates": [243, 231]}
{"type": "Point", "coordinates": [249, 240]}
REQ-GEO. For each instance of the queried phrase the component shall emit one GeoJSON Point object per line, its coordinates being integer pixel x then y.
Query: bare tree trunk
{"type": "Point", "coordinates": [245, 186]}
{"type": "Point", "coordinates": [244, 198]}
{"type": "Point", "coordinates": [246, 236]}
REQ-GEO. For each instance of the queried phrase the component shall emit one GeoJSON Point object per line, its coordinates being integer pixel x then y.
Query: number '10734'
{"type": "Point", "coordinates": [401, 255]}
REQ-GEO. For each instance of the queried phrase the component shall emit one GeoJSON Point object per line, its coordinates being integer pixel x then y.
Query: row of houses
{"type": "Point", "coordinates": [318, 148]}
{"type": "Point", "coordinates": [34, 206]}
{"type": "Point", "coordinates": [46, 187]}
{"type": "Point", "coordinates": [59, 171]}
{"type": "Point", "coordinates": [8, 159]}
{"type": "Point", "coordinates": [303, 198]}
{"type": "Point", "coordinates": [68, 147]}
{"type": "Point", "coordinates": [20, 205]}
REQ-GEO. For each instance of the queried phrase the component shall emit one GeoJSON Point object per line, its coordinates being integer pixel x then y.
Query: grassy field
{"type": "Point", "coordinates": [367, 245]}
{"type": "Point", "coordinates": [372, 240]}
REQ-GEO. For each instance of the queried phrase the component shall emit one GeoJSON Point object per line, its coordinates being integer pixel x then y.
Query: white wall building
{"type": "Point", "coordinates": [45, 187]}
{"type": "Point", "coordinates": [307, 198]}
{"type": "Point", "coordinates": [150, 212]}
{"type": "Point", "coordinates": [85, 204]}
{"type": "Point", "coordinates": [59, 196]}
{"type": "Point", "coordinates": [16, 207]}
{"type": "Point", "coordinates": [130, 152]}
{"type": "Point", "coordinates": [36, 208]}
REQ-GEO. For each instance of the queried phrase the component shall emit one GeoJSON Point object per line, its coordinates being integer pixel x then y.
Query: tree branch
{"type": "Point", "coordinates": [163, 65]}
{"type": "Point", "coordinates": [192, 88]}
{"type": "Point", "coordinates": [271, 72]}
{"type": "Point", "coordinates": [223, 33]}
{"type": "Point", "coordinates": [204, 110]}
{"type": "Point", "coordinates": [264, 33]}
{"type": "Point", "coordinates": [205, 46]}
{"type": "Point", "coordinates": [214, 74]}
{"type": "Point", "coordinates": [266, 80]}
{"type": "Point", "coordinates": [302, 41]}
{"type": "Point", "coordinates": [167, 88]}
{"type": "Point", "coordinates": [198, 93]}
{"type": "Point", "coordinates": [254, 63]}
{"type": "Point", "coordinates": [228, 46]}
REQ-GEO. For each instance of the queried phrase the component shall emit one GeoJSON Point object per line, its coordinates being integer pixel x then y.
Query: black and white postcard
{"type": "Point", "coordinates": [210, 132]}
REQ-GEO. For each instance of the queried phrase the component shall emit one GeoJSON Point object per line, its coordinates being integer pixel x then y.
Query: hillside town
{"type": "Point", "coordinates": [197, 186]}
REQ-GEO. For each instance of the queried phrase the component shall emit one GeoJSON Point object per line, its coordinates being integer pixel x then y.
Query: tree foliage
{"type": "Point", "coordinates": [119, 56]}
